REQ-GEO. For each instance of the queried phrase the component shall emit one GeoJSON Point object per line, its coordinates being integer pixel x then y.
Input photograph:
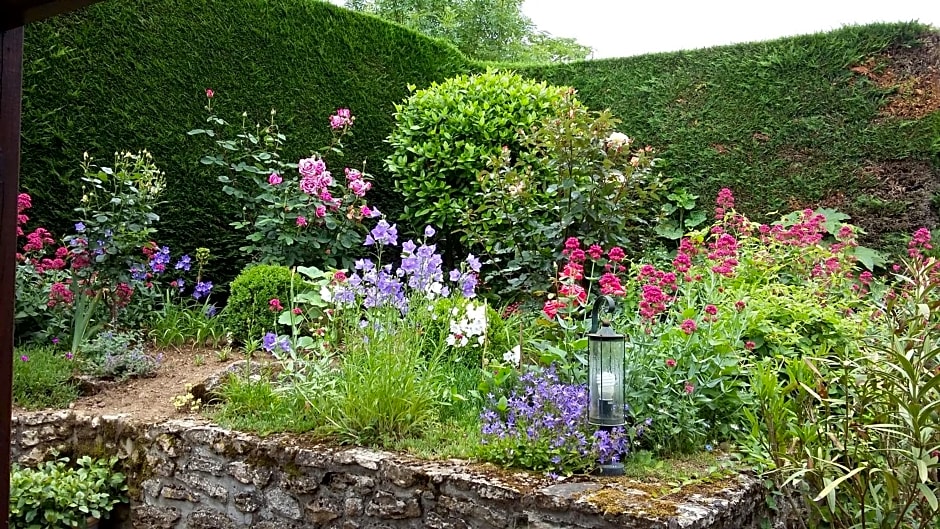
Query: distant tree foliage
{"type": "Point", "coordinates": [489, 30]}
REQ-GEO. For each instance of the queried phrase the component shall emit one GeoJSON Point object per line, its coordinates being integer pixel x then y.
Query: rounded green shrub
{"type": "Point", "coordinates": [446, 134]}
{"type": "Point", "coordinates": [248, 313]}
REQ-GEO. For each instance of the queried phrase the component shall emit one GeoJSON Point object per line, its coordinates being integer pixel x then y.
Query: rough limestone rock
{"type": "Point", "coordinates": [188, 475]}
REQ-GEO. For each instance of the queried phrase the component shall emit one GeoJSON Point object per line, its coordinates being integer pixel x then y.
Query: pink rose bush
{"type": "Point", "coordinates": [296, 213]}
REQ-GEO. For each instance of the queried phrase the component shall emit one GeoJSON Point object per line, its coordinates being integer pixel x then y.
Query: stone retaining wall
{"type": "Point", "coordinates": [187, 474]}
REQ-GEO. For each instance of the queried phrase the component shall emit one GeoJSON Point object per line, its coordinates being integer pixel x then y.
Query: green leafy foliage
{"type": "Point", "coordinates": [248, 313]}
{"type": "Point", "coordinates": [287, 219]}
{"type": "Point", "coordinates": [119, 355]}
{"type": "Point", "coordinates": [132, 74]}
{"type": "Point", "coordinates": [854, 433]}
{"type": "Point", "coordinates": [42, 378]}
{"type": "Point", "coordinates": [448, 133]}
{"type": "Point", "coordinates": [587, 181]}
{"type": "Point", "coordinates": [57, 495]}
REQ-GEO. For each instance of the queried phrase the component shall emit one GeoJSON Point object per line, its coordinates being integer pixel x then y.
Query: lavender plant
{"type": "Point", "coordinates": [119, 355]}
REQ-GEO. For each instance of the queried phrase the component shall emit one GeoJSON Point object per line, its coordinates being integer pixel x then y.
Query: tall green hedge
{"type": "Point", "coordinates": [131, 74]}
{"type": "Point", "coordinates": [785, 123]}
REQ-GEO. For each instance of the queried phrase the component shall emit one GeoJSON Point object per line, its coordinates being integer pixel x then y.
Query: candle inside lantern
{"type": "Point", "coordinates": [606, 382]}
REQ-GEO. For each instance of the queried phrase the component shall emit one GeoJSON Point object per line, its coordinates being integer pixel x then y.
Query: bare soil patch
{"type": "Point", "coordinates": [150, 400]}
{"type": "Point", "coordinates": [912, 74]}
{"type": "Point", "coordinates": [898, 197]}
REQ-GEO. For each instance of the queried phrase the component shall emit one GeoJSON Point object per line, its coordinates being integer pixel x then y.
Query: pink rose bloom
{"type": "Point", "coordinates": [359, 187]}
{"type": "Point", "coordinates": [320, 212]}
{"type": "Point", "coordinates": [301, 221]}
{"type": "Point", "coordinates": [275, 179]}
{"type": "Point", "coordinates": [308, 185]}
{"type": "Point", "coordinates": [342, 118]}
{"type": "Point", "coordinates": [209, 93]}
{"type": "Point", "coordinates": [326, 196]}
{"type": "Point", "coordinates": [339, 276]}
{"type": "Point", "coordinates": [311, 167]}
{"type": "Point", "coordinates": [365, 211]}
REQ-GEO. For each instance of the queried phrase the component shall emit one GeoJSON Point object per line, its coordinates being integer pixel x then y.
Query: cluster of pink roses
{"type": "Point", "coordinates": [342, 119]}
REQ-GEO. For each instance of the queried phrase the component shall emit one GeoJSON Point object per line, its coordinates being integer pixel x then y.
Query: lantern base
{"type": "Point", "coordinates": [610, 469]}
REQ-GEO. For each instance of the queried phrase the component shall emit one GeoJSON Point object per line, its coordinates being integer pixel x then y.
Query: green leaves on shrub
{"type": "Point", "coordinates": [445, 136]}
{"type": "Point", "coordinates": [248, 313]}
{"type": "Point", "coordinates": [56, 495]}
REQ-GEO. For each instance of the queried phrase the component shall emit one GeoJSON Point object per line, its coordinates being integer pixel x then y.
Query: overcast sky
{"type": "Point", "coordinates": [616, 28]}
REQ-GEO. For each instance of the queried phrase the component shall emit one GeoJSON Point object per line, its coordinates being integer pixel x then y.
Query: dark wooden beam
{"type": "Point", "coordinates": [15, 13]}
{"type": "Point", "coordinates": [11, 92]}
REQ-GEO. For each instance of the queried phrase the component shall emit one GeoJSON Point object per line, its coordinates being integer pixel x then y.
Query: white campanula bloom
{"type": "Point", "coordinates": [513, 356]}
{"type": "Point", "coordinates": [472, 324]}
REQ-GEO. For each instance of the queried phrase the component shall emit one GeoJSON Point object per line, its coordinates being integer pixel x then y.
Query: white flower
{"type": "Point", "coordinates": [617, 140]}
{"type": "Point", "coordinates": [513, 356]}
{"type": "Point", "coordinates": [472, 324]}
{"type": "Point", "coordinates": [326, 294]}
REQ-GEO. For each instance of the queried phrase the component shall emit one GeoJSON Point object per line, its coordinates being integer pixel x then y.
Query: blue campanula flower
{"type": "Point", "coordinates": [202, 289]}
{"type": "Point", "coordinates": [184, 263]}
{"type": "Point", "coordinates": [268, 342]}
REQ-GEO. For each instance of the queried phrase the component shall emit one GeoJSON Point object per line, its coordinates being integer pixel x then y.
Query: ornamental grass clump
{"type": "Point", "coordinates": [370, 351]}
{"type": "Point", "coordinates": [543, 425]}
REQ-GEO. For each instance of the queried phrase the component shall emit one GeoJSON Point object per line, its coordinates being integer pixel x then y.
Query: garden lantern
{"type": "Point", "coordinates": [606, 350]}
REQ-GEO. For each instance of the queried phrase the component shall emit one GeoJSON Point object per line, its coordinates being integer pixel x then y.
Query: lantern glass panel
{"type": "Point", "coordinates": [606, 379]}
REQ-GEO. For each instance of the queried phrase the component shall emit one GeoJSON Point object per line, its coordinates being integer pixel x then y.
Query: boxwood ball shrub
{"type": "Point", "coordinates": [248, 313]}
{"type": "Point", "coordinates": [446, 134]}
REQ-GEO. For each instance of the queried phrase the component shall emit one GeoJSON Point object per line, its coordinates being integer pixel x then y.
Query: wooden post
{"type": "Point", "coordinates": [11, 90]}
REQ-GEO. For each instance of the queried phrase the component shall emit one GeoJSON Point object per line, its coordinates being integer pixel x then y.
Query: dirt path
{"type": "Point", "coordinates": [151, 399]}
